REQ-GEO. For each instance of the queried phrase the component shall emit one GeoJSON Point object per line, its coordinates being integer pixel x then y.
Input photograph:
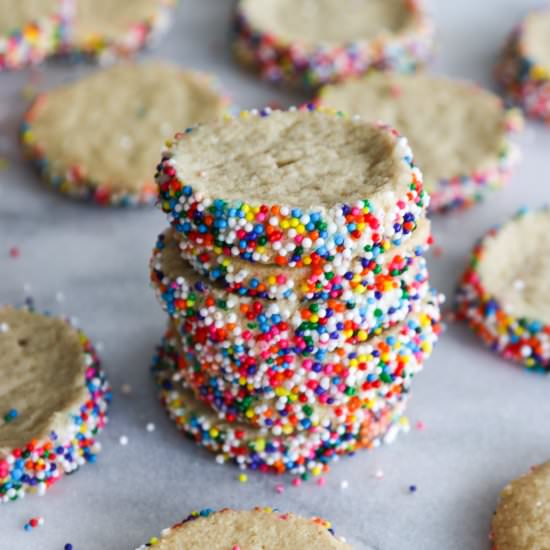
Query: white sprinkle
{"type": "Point", "coordinates": [379, 474]}
{"type": "Point", "coordinates": [344, 484]}
{"type": "Point", "coordinates": [150, 427]}
{"type": "Point", "coordinates": [126, 142]}
{"type": "Point", "coordinates": [519, 285]}
{"type": "Point", "coordinates": [123, 440]}
{"type": "Point", "coordinates": [4, 327]}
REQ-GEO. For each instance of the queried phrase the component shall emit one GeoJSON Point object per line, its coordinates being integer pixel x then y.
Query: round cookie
{"type": "Point", "coordinates": [522, 519]}
{"type": "Point", "coordinates": [107, 28]}
{"type": "Point", "coordinates": [458, 132]}
{"type": "Point", "coordinates": [98, 138]}
{"type": "Point", "coordinates": [55, 400]}
{"type": "Point", "coordinates": [523, 70]}
{"type": "Point", "coordinates": [246, 530]}
{"type": "Point", "coordinates": [297, 394]}
{"type": "Point", "coordinates": [378, 272]}
{"type": "Point", "coordinates": [290, 187]}
{"type": "Point", "coordinates": [29, 31]}
{"type": "Point", "coordinates": [504, 293]}
{"type": "Point", "coordinates": [304, 454]}
{"type": "Point", "coordinates": [305, 44]}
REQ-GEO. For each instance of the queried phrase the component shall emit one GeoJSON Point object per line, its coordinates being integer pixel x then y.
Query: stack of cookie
{"type": "Point", "coordinates": [294, 277]}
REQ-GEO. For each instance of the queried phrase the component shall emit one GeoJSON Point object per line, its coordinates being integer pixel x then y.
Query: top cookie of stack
{"type": "Point", "coordinates": [291, 188]}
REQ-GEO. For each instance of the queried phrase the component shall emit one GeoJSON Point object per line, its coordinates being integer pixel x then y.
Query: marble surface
{"type": "Point", "coordinates": [486, 421]}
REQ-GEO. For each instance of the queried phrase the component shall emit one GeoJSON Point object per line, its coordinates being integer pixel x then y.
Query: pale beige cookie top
{"type": "Point", "coordinates": [453, 127]}
{"type": "Point", "coordinates": [301, 159]}
{"type": "Point", "coordinates": [515, 266]}
{"type": "Point", "coordinates": [112, 125]}
{"type": "Point", "coordinates": [536, 38]}
{"type": "Point", "coordinates": [15, 14]}
{"type": "Point", "coordinates": [250, 530]}
{"type": "Point", "coordinates": [313, 22]}
{"type": "Point", "coordinates": [110, 19]}
{"type": "Point", "coordinates": [522, 519]}
{"type": "Point", "coordinates": [43, 376]}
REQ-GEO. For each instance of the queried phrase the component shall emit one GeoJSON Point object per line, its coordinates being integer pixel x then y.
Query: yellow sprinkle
{"type": "Point", "coordinates": [243, 478]}
{"type": "Point", "coordinates": [539, 73]}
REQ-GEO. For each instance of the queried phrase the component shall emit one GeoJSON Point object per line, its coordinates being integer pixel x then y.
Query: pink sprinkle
{"type": "Point", "coordinates": [296, 482]}
{"type": "Point", "coordinates": [279, 489]}
{"type": "Point", "coordinates": [236, 547]}
{"type": "Point", "coordinates": [395, 90]}
{"type": "Point", "coordinates": [321, 482]}
{"type": "Point", "coordinates": [15, 252]}
{"type": "Point", "coordinates": [420, 426]}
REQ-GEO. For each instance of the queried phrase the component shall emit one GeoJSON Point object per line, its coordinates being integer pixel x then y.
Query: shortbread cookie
{"type": "Point", "coordinates": [522, 519]}
{"type": "Point", "coordinates": [375, 274]}
{"type": "Point", "coordinates": [307, 454]}
{"type": "Point", "coordinates": [99, 138]}
{"type": "Point", "coordinates": [30, 30]}
{"type": "Point", "coordinates": [107, 28]}
{"type": "Point", "coordinates": [290, 187]}
{"type": "Point", "coordinates": [55, 400]}
{"type": "Point", "coordinates": [524, 68]}
{"type": "Point", "coordinates": [505, 291]}
{"type": "Point", "coordinates": [459, 132]}
{"type": "Point", "coordinates": [306, 44]}
{"type": "Point", "coordinates": [296, 393]}
{"type": "Point", "coordinates": [263, 528]}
